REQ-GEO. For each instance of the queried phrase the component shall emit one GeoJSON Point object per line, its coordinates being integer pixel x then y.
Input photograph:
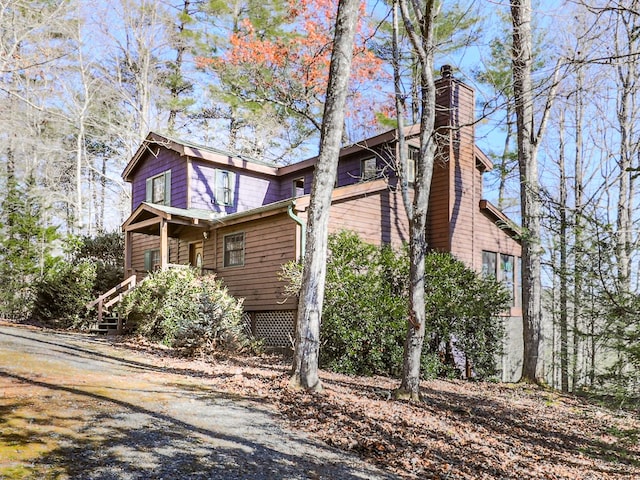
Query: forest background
{"type": "Point", "coordinates": [82, 83]}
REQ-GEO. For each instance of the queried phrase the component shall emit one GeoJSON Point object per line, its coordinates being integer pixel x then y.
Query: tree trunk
{"type": "Point", "coordinates": [305, 361]}
{"type": "Point", "coordinates": [529, 190]}
{"type": "Point", "coordinates": [422, 43]}
{"type": "Point", "coordinates": [563, 267]}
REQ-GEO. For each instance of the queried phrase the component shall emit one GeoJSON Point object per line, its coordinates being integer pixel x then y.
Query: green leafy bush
{"type": "Point", "coordinates": [60, 296]}
{"type": "Point", "coordinates": [365, 310]}
{"type": "Point", "coordinates": [186, 311]}
{"type": "Point", "coordinates": [461, 309]}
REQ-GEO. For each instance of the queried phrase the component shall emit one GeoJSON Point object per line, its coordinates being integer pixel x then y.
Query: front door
{"type": "Point", "coordinates": [196, 252]}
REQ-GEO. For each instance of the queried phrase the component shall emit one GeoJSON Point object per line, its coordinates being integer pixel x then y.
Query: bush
{"type": "Point", "coordinates": [60, 296]}
{"type": "Point", "coordinates": [366, 303]}
{"type": "Point", "coordinates": [364, 312]}
{"type": "Point", "coordinates": [461, 309]}
{"type": "Point", "coordinates": [106, 251]}
{"type": "Point", "coordinates": [186, 311]}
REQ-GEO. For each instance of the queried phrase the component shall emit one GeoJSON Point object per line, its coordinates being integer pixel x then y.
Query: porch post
{"type": "Point", "coordinates": [164, 244]}
{"type": "Point", "coordinates": [127, 254]}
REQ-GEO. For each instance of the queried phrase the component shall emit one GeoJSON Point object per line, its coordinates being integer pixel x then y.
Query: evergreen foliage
{"type": "Point", "coordinates": [92, 266]}
{"type": "Point", "coordinates": [63, 292]}
{"type": "Point", "coordinates": [25, 248]}
{"type": "Point", "coordinates": [365, 310]}
{"type": "Point", "coordinates": [184, 310]}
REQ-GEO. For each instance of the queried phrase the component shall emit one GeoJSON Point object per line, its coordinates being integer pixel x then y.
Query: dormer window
{"type": "Point", "coordinates": [368, 169]}
{"type": "Point", "coordinates": [159, 189]}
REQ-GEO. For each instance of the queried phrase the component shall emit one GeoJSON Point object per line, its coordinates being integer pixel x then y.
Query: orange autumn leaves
{"type": "Point", "coordinates": [292, 63]}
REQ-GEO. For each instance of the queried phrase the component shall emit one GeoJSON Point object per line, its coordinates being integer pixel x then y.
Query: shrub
{"type": "Point", "coordinates": [366, 302]}
{"type": "Point", "coordinates": [60, 296]}
{"type": "Point", "coordinates": [106, 251]}
{"type": "Point", "coordinates": [363, 318]}
{"type": "Point", "coordinates": [461, 310]}
{"type": "Point", "coordinates": [183, 310]}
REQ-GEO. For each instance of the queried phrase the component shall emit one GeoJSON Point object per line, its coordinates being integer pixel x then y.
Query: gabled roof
{"type": "Point", "coordinates": [146, 218]}
{"type": "Point", "coordinates": [222, 157]}
{"type": "Point", "coordinates": [194, 150]}
{"type": "Point", "coordinates": [500, 219]}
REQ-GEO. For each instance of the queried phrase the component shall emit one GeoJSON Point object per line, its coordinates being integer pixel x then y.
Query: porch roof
{"type": "Point", "coordinates": [148, 216]}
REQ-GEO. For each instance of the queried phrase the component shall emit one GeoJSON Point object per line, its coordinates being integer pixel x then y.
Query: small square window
{"type": "Point", "coordinates": [152, 260]}
{"type": "Point", "coordinates": [298, 187]}
{"type": "Point", "coordinates": [368, 169]}
{"type": "Point", "coordinates": [234, 250]}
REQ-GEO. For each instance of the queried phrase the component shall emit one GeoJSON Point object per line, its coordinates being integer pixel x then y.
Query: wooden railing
{"type": "Point", "coordinates": [113, 296]}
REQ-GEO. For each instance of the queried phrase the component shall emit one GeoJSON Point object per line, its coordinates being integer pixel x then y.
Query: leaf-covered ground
{"type": "Point", "coordinates": [462, 429]}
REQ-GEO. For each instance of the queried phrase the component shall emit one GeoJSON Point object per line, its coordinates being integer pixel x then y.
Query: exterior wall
{"type": "Point", "coordinates": [372, 209]}
{"type": "Point", "coordinates": [438, 227]}
{"type": "Point", "coordinates": [378, 218]}
{"type": "Point", "coordinates": [140, 243]}
{"type": "Point", "coordinates": [286, 183]}
{"type": "Point", "coordinates": [251, 190]}
{"type": "Point", "coordinates": [162, 160]}
{"type": "Point", "coordinates": [269, 243]}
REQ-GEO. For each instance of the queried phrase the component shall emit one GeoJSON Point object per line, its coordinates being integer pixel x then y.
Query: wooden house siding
{"type": "Point", "coordinates": [250, 191]}
{"type": "Point", "coordinates": [372, 209]}
{"type": "Point", "coordinates": [438, 233]}
{"type": "Point", "coordinates": [269, 243]}
{"type": "Point", "coordinates": [378, 218]}
{"type": "Point", "coordinates": [141, 243]}
{"type": "Point", "coordinates": [154, 163]}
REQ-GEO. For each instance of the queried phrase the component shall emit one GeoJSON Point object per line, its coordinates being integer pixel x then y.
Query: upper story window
{"type": "Point", "coordinates": [225, 185]}
{"type": "Point", "coordinates": [234, 250]}
{"type": "Point", "coordinates": [368, 169]}
{"type": "Point", "coordinates": [298, 187]}
{"type": "Point", "coordinates": [159, 189]}
{"type": "Point", "coordinates": [503, 268]}
{"type": "Point", "coordinates": [413, 155]}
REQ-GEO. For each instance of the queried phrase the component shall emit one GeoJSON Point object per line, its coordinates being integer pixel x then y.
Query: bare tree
{"type": "Point", "coordinates": [305, 361]}
{"type": "Point", "coordinates": [528, 141]}
{"type": "Point", "coordinates": [419, 24]}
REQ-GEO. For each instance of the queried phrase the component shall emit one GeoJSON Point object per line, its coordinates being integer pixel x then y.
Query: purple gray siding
{"type": "Point", "coordinates": [154, 165]}
{"type": "Point", "coordinates": [249, 190]}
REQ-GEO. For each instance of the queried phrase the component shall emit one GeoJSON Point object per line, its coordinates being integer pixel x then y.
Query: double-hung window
{"type": "Point", "coordinates": [298, 187]}
{"type": "Point", "coordinates": [159, 189]}
{"type": "Point", "coordinates": [234, 250]}
{"type": "Point", "coordinates": [504, 268]}
{"type": "Point", "coordinates": [225, 185]}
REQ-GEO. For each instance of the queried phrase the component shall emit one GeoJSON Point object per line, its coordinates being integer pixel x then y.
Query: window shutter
{"type": "Point", "coordinates": [147, 260]}
{"type": "Point", "coordinates": [167, 188]}
{"type": "Point", "coordinates": [218, 192]}
{"type": "Point", "coordinates": [232, 188]}
{"type": "Point", "coordinates": [149, 194]}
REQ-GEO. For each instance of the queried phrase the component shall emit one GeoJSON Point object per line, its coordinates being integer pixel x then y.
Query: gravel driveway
{"type": "Point", "coordinates": [72, 406]}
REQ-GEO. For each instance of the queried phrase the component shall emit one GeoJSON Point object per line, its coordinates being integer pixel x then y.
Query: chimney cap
{"type": "Point", "coordinates": [446, 71]}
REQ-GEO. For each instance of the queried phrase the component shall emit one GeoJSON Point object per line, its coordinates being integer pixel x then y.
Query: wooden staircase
{"type": "Point", "coordinates": [110, 322]}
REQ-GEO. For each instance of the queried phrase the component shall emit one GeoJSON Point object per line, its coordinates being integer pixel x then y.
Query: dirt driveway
{"type": "Point", "coordinates": [73, 406]}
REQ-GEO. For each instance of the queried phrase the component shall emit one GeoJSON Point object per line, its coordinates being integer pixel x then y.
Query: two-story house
{"type": "Point", "coordinates": [242, 219]}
